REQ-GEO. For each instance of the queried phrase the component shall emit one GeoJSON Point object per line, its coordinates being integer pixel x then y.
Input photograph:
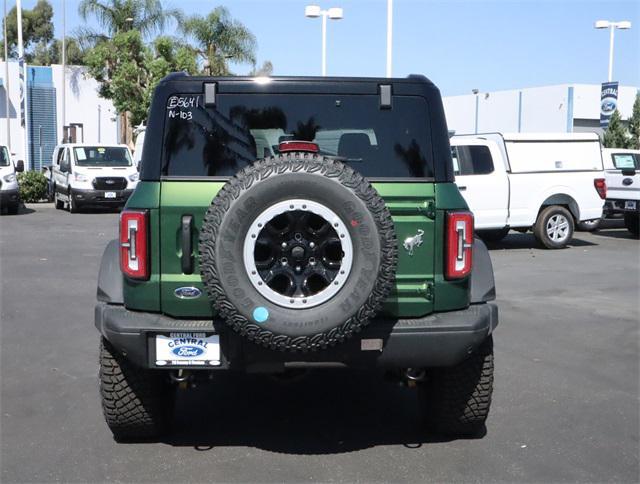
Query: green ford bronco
{"type": "Point", "coordinates": [292, 223]}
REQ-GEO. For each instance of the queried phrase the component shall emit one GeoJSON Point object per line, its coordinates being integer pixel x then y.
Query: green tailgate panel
{"type": "Point", "coordinates": [412, 206]}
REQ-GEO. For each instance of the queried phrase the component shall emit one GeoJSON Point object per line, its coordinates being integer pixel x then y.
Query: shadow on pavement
{"type": "Point", "coordinates": [517, 240]}
{"type": "Point", "coordinates": [327, 412]}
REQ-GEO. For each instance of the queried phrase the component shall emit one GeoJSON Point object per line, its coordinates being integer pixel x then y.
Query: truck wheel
{"type": "Point", "coordinates": [73, 205]}
{"type": "Point", "coordinates": [589, 225]}
{"type": "Point", "coordinates": [457, 399]}
{"type": "Point", "coordinates": [137, 403]}
{"type": "Point", "coordinates": [493, 235]}
{"type": "Point", "coordinates": [632, 222]}
{"type": "Point", "coordinates": [59, 203]}
{"type": "Point", "coordinates": [554, 227]}
{"type": "Point", "coordinates": [299, 269]}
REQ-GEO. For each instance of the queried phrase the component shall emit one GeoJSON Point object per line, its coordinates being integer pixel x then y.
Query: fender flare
{"type": "Point", "coordinates": [483, 286]}
{"type": "Point", "coordinates": [110, 279]}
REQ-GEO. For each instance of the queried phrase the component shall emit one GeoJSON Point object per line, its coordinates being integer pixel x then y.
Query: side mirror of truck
{"type": "Point", "coordinates": [20, 166]}
{"type": "Point", "coordinates": [628, 172]}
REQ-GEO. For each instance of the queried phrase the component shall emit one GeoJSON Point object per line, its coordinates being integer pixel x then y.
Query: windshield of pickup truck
{"type": "Point", "coordinates": [626, 160]}
{"type": "Point", "coordinates": [4, 156]}
{"type": "Point", "coordinates": [102, 156]}
{"type": "Point", "coordinates": [220, 140]}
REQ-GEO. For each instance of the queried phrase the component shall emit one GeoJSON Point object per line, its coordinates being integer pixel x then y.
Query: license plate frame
{"type": "Point", "coordinates": [189, 348]}
{"type": "Point", "coordinates": [630, 205]}
{"type": "Point", "coordinates": [110, 194]}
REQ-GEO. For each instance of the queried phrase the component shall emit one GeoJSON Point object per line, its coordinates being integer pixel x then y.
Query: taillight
{"type": "Point", "coordinates": [294, 145]}
{"type": "Point", "coordinates": [459, 245]}
{"type": "Point", "coordinates": [134, 253]}
{"type": "Point", "coordinates": [601, 187]}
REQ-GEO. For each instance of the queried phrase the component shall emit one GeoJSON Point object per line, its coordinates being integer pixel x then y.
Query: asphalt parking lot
{"type": "Point", "coordinates": [565, 409]}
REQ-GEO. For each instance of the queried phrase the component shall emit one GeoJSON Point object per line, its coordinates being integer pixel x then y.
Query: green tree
{"type": "Point", "coordinates": [634, 124]}
{"type": "Point", "coordinates": [37, 30]}
{"type": "Point", "coordinates": [616, 135]}
{"type": "Point", "coordinates": [265, 70]}
{"type": "Point", "coordinates": [116, 16]}
{"type": "Point", "coordinates": [220, 38]}
{"type": "Point", "coordinates": [45, 55]}
{"type": "Point", "coordinates": [128, 71]}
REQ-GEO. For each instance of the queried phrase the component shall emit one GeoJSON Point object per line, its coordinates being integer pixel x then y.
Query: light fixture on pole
{"type": "Point", "coordinates": [475, 93]}
{"type": "Point", "coordinates": [607, 24]}
{"type": "Point", "coordinates": [334, 13]}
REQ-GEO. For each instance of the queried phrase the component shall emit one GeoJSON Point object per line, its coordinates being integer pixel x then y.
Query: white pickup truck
{"type": "Point", "coordinates": [622, 172]}
{"type": "Point", "coordinates": [545, 182]}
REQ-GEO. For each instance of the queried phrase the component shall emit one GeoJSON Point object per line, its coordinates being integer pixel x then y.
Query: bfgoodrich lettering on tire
{"type": "Point", "coordinates": [298, 252]}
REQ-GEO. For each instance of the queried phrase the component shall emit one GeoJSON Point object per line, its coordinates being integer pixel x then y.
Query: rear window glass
{"type": "Point", "coordinates": [102, 156]}
{"type": "Point", "coordinates": [220, 140]}
{"type": "Point", "coordinates": [471, 160]}
{"type": "Point", "coordinates": [626, 160]}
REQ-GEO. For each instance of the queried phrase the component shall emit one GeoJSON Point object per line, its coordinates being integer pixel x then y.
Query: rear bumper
{"type": "Point", "coordinates": [9, 197]}
{"type": "Point", "coordinates": [614, 206]}
{"type": "Point", "coordinates": [441, 339]}
{"type": "Point", "coordinates": [99, 197]}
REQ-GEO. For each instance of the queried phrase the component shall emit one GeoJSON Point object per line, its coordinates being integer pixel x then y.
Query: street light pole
{"type": "Point", "coordinates": [389, 35]}
{"type": "Point", "coordinates": [607, 24]}
{"type": "Point", "coordinates": [324, 44]}
{"type": "Point", "coordinates": [334, 13]}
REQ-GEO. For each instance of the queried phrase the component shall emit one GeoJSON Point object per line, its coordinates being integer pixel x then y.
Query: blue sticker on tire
{"type": "Point", "coordinates": [260, 314]}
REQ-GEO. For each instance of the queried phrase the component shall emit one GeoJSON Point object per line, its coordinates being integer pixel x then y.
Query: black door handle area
{"type": "Point", "coordinates": [462, 189]}
{"type": "Point", "coordinates": [186, 243]}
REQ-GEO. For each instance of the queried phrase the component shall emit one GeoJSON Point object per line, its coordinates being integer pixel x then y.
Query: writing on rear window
{"type": "Point", "coordinates": [241, 128]}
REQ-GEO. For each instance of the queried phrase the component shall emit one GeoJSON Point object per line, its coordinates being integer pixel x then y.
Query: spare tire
{"type": "Point", "coordinates": [297, 252]}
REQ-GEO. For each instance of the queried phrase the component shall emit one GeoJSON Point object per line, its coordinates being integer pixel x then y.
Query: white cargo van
{"type": "Point", "coordinates": [87, 174]}
{"type": "Point", "coordinates": [622, 172]}
{"type": "Point", "coordinates": [9, 194]}
{"type": "Point", "coordinates": [544, 182]}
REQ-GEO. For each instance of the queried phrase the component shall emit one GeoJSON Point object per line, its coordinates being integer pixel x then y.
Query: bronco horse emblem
{"type": "Point", "coordinates": [411, 243]}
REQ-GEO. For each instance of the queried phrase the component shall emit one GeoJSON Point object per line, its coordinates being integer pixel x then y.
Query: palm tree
{"type": "Point", "coordinates": [115, 16]}
{"type": "Point", "coordinates": [220, 38]}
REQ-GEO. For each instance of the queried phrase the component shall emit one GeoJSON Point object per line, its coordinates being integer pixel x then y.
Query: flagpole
{"type": "Point", "coordinates": [23, 87]}
{"type": "Point", "coordinates": [7, 104]}
{"type": "Point", "coordinates": [64, 68]}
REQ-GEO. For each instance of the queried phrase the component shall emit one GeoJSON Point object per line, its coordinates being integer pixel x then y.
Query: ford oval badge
{"type": "Point", "coordinates": [187, 351]}
{"type": "Point", "coordinates": [187, 292]}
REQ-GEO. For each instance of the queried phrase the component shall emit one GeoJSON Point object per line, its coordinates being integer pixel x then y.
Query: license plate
{"type": "Point", "coordinates": [187, 349]}
{"type": "Point", "coordinates": [630, 205]}
{"type": "Point", "coordinates": [110, 195]}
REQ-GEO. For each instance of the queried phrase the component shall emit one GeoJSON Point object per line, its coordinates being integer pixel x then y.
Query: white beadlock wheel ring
{"type": "Point", "coordinates": [331, 218]}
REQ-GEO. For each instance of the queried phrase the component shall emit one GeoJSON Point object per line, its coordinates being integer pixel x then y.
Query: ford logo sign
{"type": "Point", "coordinates": [627, 181]}
{"type": "Point", "coordinates": [187, 292]}
{"type": "Point", "coordinates": [187, 351]}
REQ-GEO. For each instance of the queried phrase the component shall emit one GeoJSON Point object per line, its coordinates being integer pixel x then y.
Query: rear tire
{"type": "Point", "coordinates": [457, 399]}
{"type": "Point", "coordinates": [554, 227]}
{"type": "Point", "coordinates": [73, 205]}
{"type": "Point", "coordinates": [493, 235]}
{"type": "Point", "coordinates": [137, 403]}
{"type": "Point", "coordinates": [59, 203]}
{"type": "Point", "coordinates": [632, 223]}
{"type": "Point", "coordinates": [13, 209]}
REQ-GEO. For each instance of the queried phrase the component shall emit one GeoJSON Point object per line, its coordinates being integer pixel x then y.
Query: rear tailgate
{"type": "Point", "coordinates": [411, 206]}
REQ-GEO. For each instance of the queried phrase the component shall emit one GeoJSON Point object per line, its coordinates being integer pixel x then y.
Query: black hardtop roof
{"type": "Point", "coordinates": [411, 78]}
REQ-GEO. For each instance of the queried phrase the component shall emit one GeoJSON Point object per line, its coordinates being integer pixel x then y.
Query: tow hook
{"type": "Point", "coordinates": [181, 378]}
{"type": "Point", "coordinates": [414, 376]}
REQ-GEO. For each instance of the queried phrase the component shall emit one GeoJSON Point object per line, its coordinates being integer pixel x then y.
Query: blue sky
{"type": "Point", "coordinates": [460, 45]}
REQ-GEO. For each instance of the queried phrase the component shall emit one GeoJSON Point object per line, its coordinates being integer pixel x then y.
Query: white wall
{"type": "Point", "coordinates": [17, 141]}
{"type": "Point", "coordinates": [82, 102]}
{"type": "Point", "coordinates": [542, 109]}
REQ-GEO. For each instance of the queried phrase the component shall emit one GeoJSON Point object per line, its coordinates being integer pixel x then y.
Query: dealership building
{"type": "Point", "coordinates": [561, 108]}
{"type": "Point", "coordinates": [87, 117]}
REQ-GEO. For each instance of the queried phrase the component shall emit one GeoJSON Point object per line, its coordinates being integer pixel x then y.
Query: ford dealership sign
{"type": "Point", "coordinates": [608, 102]}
